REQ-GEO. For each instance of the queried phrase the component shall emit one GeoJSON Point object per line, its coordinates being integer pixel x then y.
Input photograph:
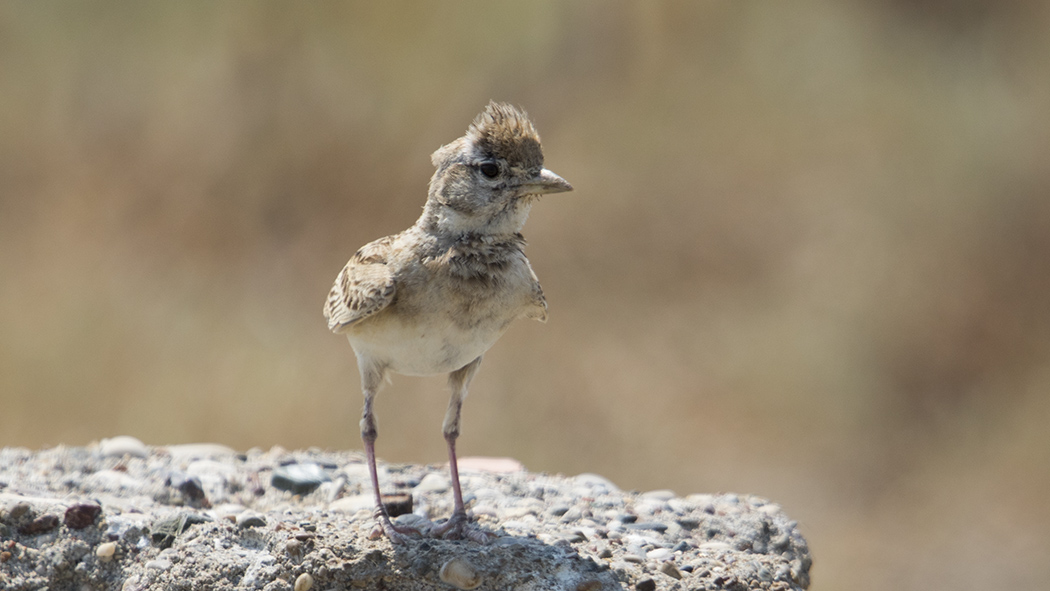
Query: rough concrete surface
{"type": "Point", "coordinates": [121, 515]}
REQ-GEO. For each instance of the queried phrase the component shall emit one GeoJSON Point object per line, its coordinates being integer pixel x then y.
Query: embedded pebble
{"type": "Point", "coordinates": [433, 482]}
{"type": "Point", "coordinates": [40, 525]}
{"type": "Point", "coordinates": [460, 574]}
{"type": "Point", "coordinates": [353, 503]}
{"type": "Point", "coordinates": [573, 514]}
{"type": "Point", "coordinates": [668, 568]}
{"type": "Point", "coordinates": [659, 554]}
{"type": "Point", "coordinates": [123, 445]}
{"type": "Point", "coordinates": [303, 582]}
{"type": "Point", "coordinates": [658, 495]}
{"type": "Point", "coordinates": [650, 525]}
{"type": "Point", "coordinates": [159, 564]}
{"type": "Point", "coordinates": [299, 479]}
{"type": "Point", "coordinates": [106, 551]}
{"type": "Point", "coordinates": [250, 519]}
{"type": "Point", "coordinates": [81, 515]}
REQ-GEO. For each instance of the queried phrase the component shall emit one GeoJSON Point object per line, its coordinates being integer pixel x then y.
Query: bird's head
{"type": "Point", "coordinates": [486, 180]}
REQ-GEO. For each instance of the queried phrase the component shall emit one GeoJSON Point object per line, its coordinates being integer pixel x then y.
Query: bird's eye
{"type": "Point", "coordinates": [489, 169]}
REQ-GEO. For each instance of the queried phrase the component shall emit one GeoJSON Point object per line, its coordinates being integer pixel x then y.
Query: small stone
{"type": "Point", "coordinates": [596, 483]}
{"type": "Point", "coordinates": [668, 568]}
{"type": "Point", "coordinates": [19, 510]}
{"type": "Point", "coordinates": [352, 503]}
{"type": "Point", "coordinates": [591, 585]}
{"type": "Point", "coordinates": [5, 556]}
{"type": "Point", "coordinates": [659, 554]}
{"type": "Point", "coordinates": [123, 445]}
{"type": "Point", "coordinates": [460, 574]}
{"type": "Point", "coordinates": [40, 525]}
{"type": "Point", "coordinates": [689, 523]}
{"type": "Point", "coordinates": [605, 553]}
{"type": "Point", "coordinates": [81, 515]}
{"type": "Point", "coordinates": [299, 479]}
{"type": "Point", "coordinates": [189, 486]}
{"type": "Point", "coordinates": [494, 465]}
{"type": "Point", "coordinates": [770, 509]}
{"type": "Point", "coordinates": [571, 515]}
{"type": "Point", "coordinates": [303, 582]}
{"type": "Point", "coordinates": [294, 548]}
{"type": "Point", "coordinates": [397, 504]}
{"type": "Point", "coordinates": [649, 525]}
{"type": "Point", "coordinates": [159, 564]}
{"type": "Point", "coordinates": [250, 519]}
{"type": "Point", "coordinates": [715, 546]}
{"type": "Point", "coordinates": [645, 585]}
{"type": "Point", "coordinates": [658, 495]}
{"type": "Point", "coordinates": [433, 482]}
{"type": "Point", "coordinates": [106, 551]}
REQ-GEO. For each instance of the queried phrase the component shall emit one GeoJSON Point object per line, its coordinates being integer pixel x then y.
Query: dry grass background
{"type": "Point", "coordinates": [808, 254]}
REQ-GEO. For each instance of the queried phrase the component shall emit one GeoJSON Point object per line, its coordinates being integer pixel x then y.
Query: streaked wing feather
{"type": "Point", "coordinates": [364, 287]}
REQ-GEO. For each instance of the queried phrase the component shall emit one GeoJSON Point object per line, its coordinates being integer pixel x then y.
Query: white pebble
{"type": "Point", "coordinates": [458, 573]}
{"type": "Point", "coordinates": [658, 495]}
{"type": "Point", "coordinates": [433, 482]}
{"type": "Point", "coordinates": [659, 554]}
{"type": "Point", "coordinates": [122, 445]}
{"type": "Point", "coordinates": [303, 582]}
{"type": "Point", "coordinates": [352, 503]}
{"type": "Point", "coordinates": [106, 551]}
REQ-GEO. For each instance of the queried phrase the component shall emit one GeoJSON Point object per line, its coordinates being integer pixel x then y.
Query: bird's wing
{"type": "Point", "coordinates": [539, 301]}
{"type": "Point", "coordinates": [364, 287]}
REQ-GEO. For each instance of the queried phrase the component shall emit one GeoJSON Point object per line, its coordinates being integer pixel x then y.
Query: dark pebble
{"type": "Point", "coordinates": [19, 510]}
{"type": "Point", "coordinates": [299, 479]}
{"type": "Point", "coordinates": [652, 525]}
{"type": "Point", "coordinates": [189, 486]}
{"type": "Point", "coordinates": [645, 585]}
{"type": "Point", "coordinates": [627, 518]}
{"type": "Point", "coordinates": [42, 524]}
{"type": "Point", "coordinates": [688, 523]}
{"type": "Point", "coordinates": [82, 515]}
{"type": "Point", "coordinates": [397, 504]}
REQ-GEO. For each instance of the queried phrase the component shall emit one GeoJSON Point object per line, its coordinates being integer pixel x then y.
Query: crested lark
{"type": "Point", "coordinates": [435, 297]}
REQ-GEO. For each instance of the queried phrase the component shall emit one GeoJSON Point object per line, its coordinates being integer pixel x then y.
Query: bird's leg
{"type": "Point", "coordinates": [371, 378]}
{"type": "Point", "coordinates": [456, 526]}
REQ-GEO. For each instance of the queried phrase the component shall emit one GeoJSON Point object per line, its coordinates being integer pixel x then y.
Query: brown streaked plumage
{"type": "Point", "coordinates": [434, 298]}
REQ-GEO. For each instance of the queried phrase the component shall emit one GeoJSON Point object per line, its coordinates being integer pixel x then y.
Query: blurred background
{"type": "Point", "coordinates": [807, 257]}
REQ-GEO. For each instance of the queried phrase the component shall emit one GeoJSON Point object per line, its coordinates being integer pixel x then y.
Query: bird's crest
{"type": "Point", "coordinates": [505, 131]}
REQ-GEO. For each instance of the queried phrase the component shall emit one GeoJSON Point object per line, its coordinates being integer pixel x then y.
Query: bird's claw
{"type": "Point", "coordinates": [459, 527]}
{"type": "Point", "coordinates": [397, 534]}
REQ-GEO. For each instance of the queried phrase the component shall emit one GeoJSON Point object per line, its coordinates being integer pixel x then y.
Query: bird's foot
{"type": "Point", "coordinates": [395, 533]}
{"type": "Point", "coordinates": [459, 527]}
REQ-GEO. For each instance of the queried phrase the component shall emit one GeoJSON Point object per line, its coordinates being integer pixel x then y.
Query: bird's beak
{"type": "Point", "coordinates": [546, 182]}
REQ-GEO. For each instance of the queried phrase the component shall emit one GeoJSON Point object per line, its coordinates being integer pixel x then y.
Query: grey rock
{"type": "Point", "coordinates": [711, 541]}
{"type": "Point", "coordinates": [250, 519]}
{"type": "Point", "coordinates": [299, 479]}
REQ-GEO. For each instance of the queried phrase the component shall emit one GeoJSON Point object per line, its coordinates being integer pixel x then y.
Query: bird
{"type": "Point", "coordinates": [434, 298]}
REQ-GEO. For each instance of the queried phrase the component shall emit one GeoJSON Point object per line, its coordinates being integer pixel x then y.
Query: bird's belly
{"type": "Point", "coordinates": [422, 350]}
